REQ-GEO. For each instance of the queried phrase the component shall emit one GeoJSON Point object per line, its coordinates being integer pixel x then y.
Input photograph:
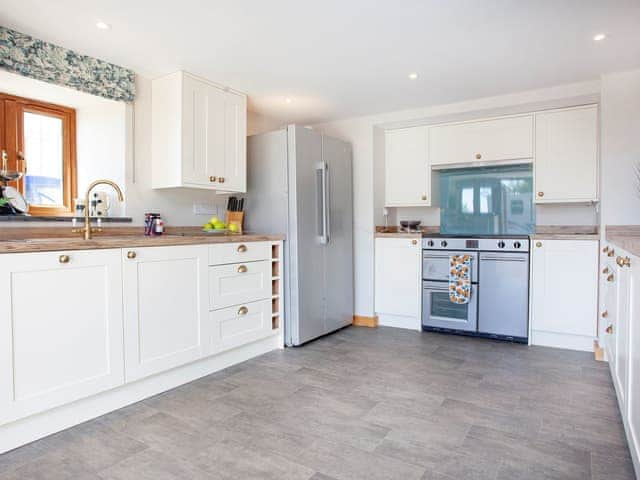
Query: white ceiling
{"type": "Point", "coordinates": [342, 58]}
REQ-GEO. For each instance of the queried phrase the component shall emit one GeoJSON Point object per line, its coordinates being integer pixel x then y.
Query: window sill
{"type": "Point", "coordinates": [59, 218]}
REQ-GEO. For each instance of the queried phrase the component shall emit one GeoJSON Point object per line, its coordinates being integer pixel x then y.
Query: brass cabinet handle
{"type": "Point", "coordinates": [605, 314]}
{"type": "Point", "coordinates": [414, 242]}
{"type": "Point", "coordinates": [538, 244]}
{"type": "Point", "coordinates": [610, 278]}
{"type": "Point", "coordinates": [478, 156]}
{"type": "Point", "coordinates": [221, 179]}
{"type": "Point", "coordinates": [131, 254]}
{"type": "Point", "coordinates": [605, 270]}
{"type": "Point", "coordinates": [605, 249]}
{"type": "Point", "coordinates": [242, 248]}
{"type": "Point", "coordinates": [423, 197]}
{"type": "Point", "coordinates": [212, 178]}
{"type": "Point", "coordinates": [626, 262]}
{"type": "Point", "coordinates": [541, 194]}
{"type": "Point", "coordinates": [620, 261]}
{"type": "Point", "coordinates": [242, 269]}
{"type": "Point", "coordinates": [64, 258]}
{"type": "Point", "coordinates": [609, 329]}
{"type": "Point", "coordinates": [243, 311]}
{"type": "Point", "coordinates": [611, 253]}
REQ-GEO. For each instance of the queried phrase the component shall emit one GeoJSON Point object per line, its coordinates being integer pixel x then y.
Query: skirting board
{"type": "Point", "coordinates": [561, 340]}
{"type": "Point", "coordinates": [26, 430]}
{"type": "Point", "coordinates": [399, 321]}
{"type": "Point", "coordinates": [362, 321]}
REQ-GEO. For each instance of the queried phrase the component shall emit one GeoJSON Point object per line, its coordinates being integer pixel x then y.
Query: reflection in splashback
{"type": "Point", "coordinates": [487, 201]}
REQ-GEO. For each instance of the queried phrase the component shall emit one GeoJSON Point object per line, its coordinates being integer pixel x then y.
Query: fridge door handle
{"type": "Point", "coordinates": [321, 187]}
{"type": "Point", "coordinates": [327, 203]}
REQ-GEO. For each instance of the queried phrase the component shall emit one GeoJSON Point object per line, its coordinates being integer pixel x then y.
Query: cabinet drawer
{"type": "Point", "coordinates": [241, 324]}
{"type": "Point", "coordinates": [239, 283]}
{"type": "Point", "coordinates": [239, 252]}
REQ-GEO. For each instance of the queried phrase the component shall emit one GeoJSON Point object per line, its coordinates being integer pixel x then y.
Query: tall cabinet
{"type": "Point", "coordinates": [199, 133]}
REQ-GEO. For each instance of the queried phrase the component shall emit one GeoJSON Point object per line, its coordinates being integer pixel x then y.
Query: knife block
{"type": "Point", "coordinates": [235, 217]}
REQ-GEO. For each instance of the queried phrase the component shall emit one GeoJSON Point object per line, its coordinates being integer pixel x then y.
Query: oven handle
{"type": "Point", "coordinates": [504, 259]}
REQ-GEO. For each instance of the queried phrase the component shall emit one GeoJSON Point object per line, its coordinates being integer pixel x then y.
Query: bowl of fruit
{"type": "Point", "coordinates": [215, 225]}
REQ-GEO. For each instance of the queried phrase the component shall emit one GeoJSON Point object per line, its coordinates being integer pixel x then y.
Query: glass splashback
{"type": "Point", "coordinates": [487, 201]}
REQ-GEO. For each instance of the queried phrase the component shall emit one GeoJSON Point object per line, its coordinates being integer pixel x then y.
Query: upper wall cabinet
{"type": "Point", "coordinates": [407, 170]}
{"type": "Point", "coordinates": [566, 167]}
{"type": "Point", "coordinates": [199, 134]}
{"type": "Point", "coordinates": [501, 140]}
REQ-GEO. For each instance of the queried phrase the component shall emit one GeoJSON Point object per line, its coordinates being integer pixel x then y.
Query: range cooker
{"type": "Point", "coordinates": [499, 302]}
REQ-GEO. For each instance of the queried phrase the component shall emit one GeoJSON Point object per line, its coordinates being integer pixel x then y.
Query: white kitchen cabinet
{"type": "Point", "coordinates": [60, 328]}
{"type": "Point", "coordinates": [398, 282]}
{"type": "Point", "coordinates": [494, 141]}
{"type": "Point", "coordinates": [407, 170]}
{"type": "Point", "coordinates": [564, 293]}
{"type": "Point", "coordinates": [623, 320]}
{"type": "Point", "coordinates": [198, 134]}
{"type": "Point", "coordinates": [165, 308]}
{"type": "Point", "coordinates": [241, 324]}
{"type": "Point", "coordinates": [633, 392]}
{"type": "Point", "coordinates": [234, 284]}
{"type": "Point", "coordinates": [566, 164]}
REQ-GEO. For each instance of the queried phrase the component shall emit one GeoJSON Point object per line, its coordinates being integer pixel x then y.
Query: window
{"type": "Point", "coordinates": [39, 139]}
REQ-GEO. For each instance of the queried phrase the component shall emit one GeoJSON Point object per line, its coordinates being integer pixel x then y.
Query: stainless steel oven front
{"type": "Point", "coordinates": [438, 312]}
{"type": "Point", "coordinates": [435, 264]}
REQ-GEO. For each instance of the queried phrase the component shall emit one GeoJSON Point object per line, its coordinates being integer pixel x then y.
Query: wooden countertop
{"type": "Point", "coordinates": [566, 232]}
{"type": "Point", "coordinates": [626, 237]}
{"type": "Point", "coordinates": [48, 244]}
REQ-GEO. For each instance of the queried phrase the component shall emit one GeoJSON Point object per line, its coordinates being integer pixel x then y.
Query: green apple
{"type": "Point", "coordinates": [213, 220]}
{"type": "Point", "coordinates": [208, 226]}
{"type": "Point", "coordinates": [219, 225]}
{"type": "Point", "coordinates": [233, 227]}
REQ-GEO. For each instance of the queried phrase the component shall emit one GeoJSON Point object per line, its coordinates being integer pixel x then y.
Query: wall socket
{"type": "Point", "coordinates": [205, 209]}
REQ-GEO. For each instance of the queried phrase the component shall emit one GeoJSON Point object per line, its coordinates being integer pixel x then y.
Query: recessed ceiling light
{"type": "Point", "coordinates": [288, 100]}
{"type": "Point", "coordinates": [413, 76]}
{"type": "Point", "coordinates": [103, 26]}
{"type": "Point", "coordinates": [599, 37]}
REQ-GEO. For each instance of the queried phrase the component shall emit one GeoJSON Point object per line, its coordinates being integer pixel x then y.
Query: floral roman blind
{"type": "Point", "coordinates": [44, 61]}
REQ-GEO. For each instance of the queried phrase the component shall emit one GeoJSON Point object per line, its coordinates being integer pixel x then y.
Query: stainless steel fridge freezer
{"type": "Point", "coordinates": [300, 182]}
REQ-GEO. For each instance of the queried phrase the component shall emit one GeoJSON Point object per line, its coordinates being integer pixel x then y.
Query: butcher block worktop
{"type": "Point", "coordinates": [39, 240]}
{"type": "Point", "coordinates": [626, 237]}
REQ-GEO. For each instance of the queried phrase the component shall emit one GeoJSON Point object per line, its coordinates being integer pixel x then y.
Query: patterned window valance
{"type": "Point", "coordinates": [41, 60]}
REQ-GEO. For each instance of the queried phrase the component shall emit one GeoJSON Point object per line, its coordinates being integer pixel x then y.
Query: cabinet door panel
{"type": "Point", "coordinates": [238, 283]}
{"type": "Point", "coordinates": [623, 309]}
{"type": "Point", "coordinates": [633, 400]}
{"type": "Point", "coordinates": [565, 279]}
{"type": "Point", "coordinates": [241, 324]}
{"type": "Point", "coordinates": [501, 139]}
{"type": "Point", "coordinates": [407, 172]}
{"type": "Point", "coordinates": [397, 277]}
{"type": "Point", "coordinates": [165, 295]}
{"type": "Point", "coordinates": [233, 163]}
{"type": "Point", "coordinates": [63, 328]}
{"type": "Point", "coordinates": [566, 166]}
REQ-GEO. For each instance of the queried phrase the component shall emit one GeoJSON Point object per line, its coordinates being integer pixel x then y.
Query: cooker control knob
{"type": "Point", "coordinates": [517, 245]}
{"type": "Point", "coordinates": [443, 243]}
{"type": "Point", "coordinates": [501, 244]}
{"type": "Point", "coordinates": [430, 243]}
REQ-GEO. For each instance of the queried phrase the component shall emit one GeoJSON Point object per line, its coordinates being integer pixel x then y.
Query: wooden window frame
{"type": "Point", "coordinates": [12, 140]}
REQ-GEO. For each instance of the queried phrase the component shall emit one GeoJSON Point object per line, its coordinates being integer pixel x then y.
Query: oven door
{"type": "Point", "coordinates": [435, 264]}
{"type": "Point", "coordinates": [440, 312]}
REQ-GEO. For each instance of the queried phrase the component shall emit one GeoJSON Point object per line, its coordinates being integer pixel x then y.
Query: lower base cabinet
{"type": "Point", "coordinates": [240, 324]}
{"type": "Point", "coordinates": [165, 308]}
{"type": "Point", "coordinates": [564, 300]}
{"type": "Point", "coordinates": [60, 329]}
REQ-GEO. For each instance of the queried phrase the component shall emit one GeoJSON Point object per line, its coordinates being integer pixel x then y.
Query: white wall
{"type": "Point", "coordinates": [364, 133]}
{"type": "Point", "coordinates": [620, 148]}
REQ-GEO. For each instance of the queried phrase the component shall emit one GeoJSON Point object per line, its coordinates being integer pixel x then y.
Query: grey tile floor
{"type": "Point", "coordinates": [360, 404]}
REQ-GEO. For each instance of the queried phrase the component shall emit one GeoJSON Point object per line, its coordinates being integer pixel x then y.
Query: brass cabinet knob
{"type": "Point", "coordinates": [131, 254]}
{"type": "Point", "coordinates": [611, 253]}
{"type": "Point", "coordinates": [243, 311]}
{"type": "Point", "coordinates": [538, 244]}
{"type": "Point", "coordinates": [242, 269]}
{"type": "Point", "coordinates": [478, 156]}
{"type": "Point", "coordinates": [212, 178]}
{"type": "Point", "coordinates": [619, 261]}
{"type": "Point", "coordinates": [605, 270]}
{"type": "Point", "coordinates": [423, 197]}
{"type": "Point", "coordinates": [609, 329]}
{"type": "Point", "coordinates": [626, 262]}
{"type": "Point", "coordinates": [541, 194]}
{"type": "Point", "coordinates": [221, 179]}
{"type": "Point", "coordinates": [605, 249]}
{"type": "Point", "coordinates": [610, 278]}
{"type": "Point", "coordinates": [605, 314]}
{"type": "Point", "coordinates": [64, 258]}
{"type": "Point", "coordinates": [242, 248]}
{"type": "Point", "coordinates": [414, 242]}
